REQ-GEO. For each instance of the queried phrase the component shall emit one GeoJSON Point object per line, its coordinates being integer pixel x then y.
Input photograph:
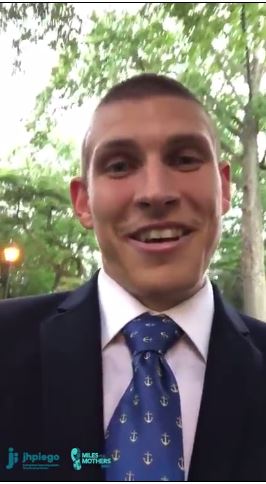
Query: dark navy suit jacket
{"type": "Point", "coordinates": [51, 389]}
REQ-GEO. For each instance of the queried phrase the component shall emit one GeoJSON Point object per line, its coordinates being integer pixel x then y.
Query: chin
{"type": "Point", "coordinates": [171, 277]}
{"type": "Point", "coordinates": [168, 291]}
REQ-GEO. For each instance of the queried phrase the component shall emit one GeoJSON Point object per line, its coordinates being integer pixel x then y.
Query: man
{"type": "Point", "coordinates": [154, 191]}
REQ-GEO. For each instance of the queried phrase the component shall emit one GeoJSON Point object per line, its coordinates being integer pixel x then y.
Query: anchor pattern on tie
{"type": "Point", "coordinates": [144, 437]}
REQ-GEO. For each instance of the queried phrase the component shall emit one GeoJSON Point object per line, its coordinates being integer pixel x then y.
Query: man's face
{"type": "Point", "coordinates": [155, 196]}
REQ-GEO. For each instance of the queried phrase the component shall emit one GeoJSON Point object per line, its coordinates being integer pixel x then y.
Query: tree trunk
{"type": "Point", "coordinates": [57, 278]}
{"type": "Point", "coordinates": [252, 258]}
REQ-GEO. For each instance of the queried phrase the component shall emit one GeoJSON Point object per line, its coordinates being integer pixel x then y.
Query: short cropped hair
{"type": "Point", "coordinates": [140, 87]}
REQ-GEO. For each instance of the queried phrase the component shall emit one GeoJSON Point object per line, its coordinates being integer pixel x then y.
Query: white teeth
{"type": "Point", "coordinates": [160, 234]}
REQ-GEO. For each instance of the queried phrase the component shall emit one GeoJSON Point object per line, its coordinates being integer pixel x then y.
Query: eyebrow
{"type": "Point", "coordinates": [117, 144]}
{"type": "Point", "coordinates": [191, 140]}
{"type": "Point", "coordinates": [180, 140]}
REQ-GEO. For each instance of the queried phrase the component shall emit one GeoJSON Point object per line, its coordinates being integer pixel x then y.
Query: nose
{"type": "Point", "coordinates": [157, 188]}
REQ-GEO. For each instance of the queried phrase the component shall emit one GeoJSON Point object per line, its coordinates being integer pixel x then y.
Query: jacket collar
{"type": "Point", "coordinates": [81, 295]}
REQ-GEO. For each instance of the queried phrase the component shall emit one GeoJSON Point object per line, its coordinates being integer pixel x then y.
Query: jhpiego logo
{"type": "Point", "coordinates": [29, 461]}
{"type": "Point", "coordinates": [39, 461]}
{"type": "Point", "coordinates": [12, 458]}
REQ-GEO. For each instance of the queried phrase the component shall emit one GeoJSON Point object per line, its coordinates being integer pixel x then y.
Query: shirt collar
{"type": "Point", "coordinates": [194, 315]}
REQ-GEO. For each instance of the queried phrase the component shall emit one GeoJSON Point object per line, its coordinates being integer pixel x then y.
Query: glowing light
{"type": "Point", "coordinates": [11, 254]}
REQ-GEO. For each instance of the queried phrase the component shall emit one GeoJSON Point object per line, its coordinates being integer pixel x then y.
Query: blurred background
{"type": "Point", "coordinates": [57, 60]}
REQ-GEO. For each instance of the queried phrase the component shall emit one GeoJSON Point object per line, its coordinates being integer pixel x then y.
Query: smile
{"type": "Point", "coordinates": [161, 245]}
{"type": "Point", "coordinates": [160, 235]}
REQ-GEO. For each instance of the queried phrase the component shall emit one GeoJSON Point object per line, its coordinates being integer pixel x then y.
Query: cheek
{"type": "Point", "coordinates": [205, 203]}
{"type": "Point", "coordinates": [209, 192]}
{"type": "Point", "coordinates": [212, 213]}
{"type": "Point", "coordinates": [108, 201]}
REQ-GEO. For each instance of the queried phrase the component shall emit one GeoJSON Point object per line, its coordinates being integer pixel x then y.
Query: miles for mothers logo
{"type": "Point", "coordinates": [80, 458]}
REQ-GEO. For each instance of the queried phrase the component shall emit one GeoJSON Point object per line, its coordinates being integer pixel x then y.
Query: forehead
{"type": "Point", "coordinates": [155, 119]}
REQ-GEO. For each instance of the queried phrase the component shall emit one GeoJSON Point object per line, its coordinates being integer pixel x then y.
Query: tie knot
{"type": "Point", "coordinates": [151, 333]}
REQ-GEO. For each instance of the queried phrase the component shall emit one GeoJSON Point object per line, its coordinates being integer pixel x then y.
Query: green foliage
{"type": "Point", "coordinates": [203, 45]}
{"type": "Point", "coordinates": [35, 213]}
{"type": "Point", "coordinates": [57, 23]}
{"type": "Point", "coordinates": [259, 110]}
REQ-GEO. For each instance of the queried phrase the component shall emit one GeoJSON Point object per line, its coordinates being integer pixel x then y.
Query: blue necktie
{"type": "Point", "coordinates": [144, 437]}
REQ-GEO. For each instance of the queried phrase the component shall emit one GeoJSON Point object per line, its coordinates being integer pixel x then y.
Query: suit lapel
{"type": "Point", "coordinates": [231, 378]}
{"type": "Point", "coordinates": [72, 378]}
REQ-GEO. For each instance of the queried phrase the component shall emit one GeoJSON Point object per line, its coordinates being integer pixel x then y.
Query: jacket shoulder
{"type": "Point", "coordinates": [23, 311]}
{"type": "Point", "coordinates": [242, 322]}
{"type": "Point", "coordinates": [257, 330]}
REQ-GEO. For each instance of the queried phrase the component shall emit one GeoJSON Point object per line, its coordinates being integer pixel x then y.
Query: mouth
{"type": "Point", "coordinates": [160, 239]}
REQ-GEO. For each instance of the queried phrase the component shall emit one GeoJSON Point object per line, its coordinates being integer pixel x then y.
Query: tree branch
{"type": "Point", "coordinates": [262, 163]}
{"type": "Point", "coordinates": [212, 101]}
{"type": "Point", "coordinates": [227, 77]}
{"type": "Point", "coordinates": [237, 157]}
{"type": "Point", "coordinates": [247, 53]}
{"type": "Point", "coordinates": [257, 70]}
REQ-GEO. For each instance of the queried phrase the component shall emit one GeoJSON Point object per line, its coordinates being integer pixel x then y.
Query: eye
{"type": "Point", "coordinates": [185, 162]}
{"type": "Point", "coordinates": [120, 165]}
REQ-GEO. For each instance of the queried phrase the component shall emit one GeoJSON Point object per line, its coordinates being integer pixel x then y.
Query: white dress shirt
{"type": "Point", "coordinates": [187, 358]}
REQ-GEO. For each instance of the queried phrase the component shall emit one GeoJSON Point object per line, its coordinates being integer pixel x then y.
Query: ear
{"type": "Point", "coordinates": [225, 174]}
{"type": "Point", "coordinates": [80, 202]}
